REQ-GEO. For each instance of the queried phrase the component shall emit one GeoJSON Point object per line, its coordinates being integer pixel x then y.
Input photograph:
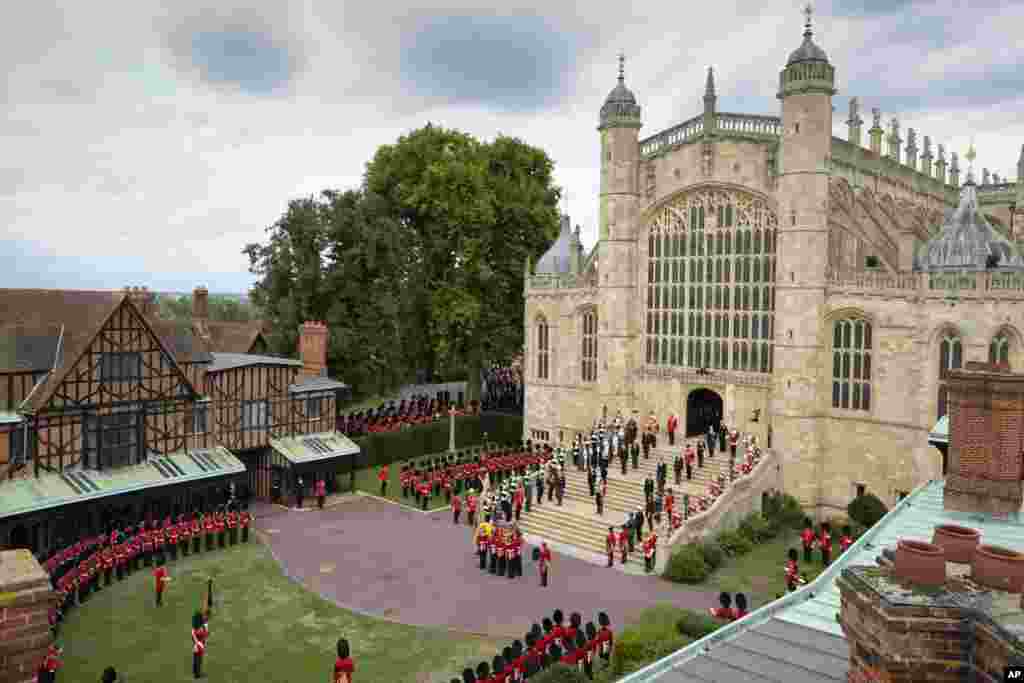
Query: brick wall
{"type": "Point", "coordinates": [25, 601]}
{"type": "Point", "coordinates": [986, 440]}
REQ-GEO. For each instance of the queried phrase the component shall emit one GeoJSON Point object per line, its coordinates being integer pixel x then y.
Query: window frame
{"type": "Point", "coordinates": [852, 359]}
{"type": "Point", "coordinates": [260, 419]}
{"type": "Point", "coordinates": [113, 366]}
{"type": "Point", "coordinates": [543, 332]}
{"type": "Point", "coordinates": [589, 350]}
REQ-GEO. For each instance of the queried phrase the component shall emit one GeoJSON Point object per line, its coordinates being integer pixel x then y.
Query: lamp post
{"type": "Point", "coordinates": [451, 430]}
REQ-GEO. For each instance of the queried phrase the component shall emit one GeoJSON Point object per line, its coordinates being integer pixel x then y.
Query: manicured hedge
{"type": "Point", "coordinates": [415, 442]}
{"type": "Point", "coordinates": [866, 510]}
{"type": "Point", "coordinates": [559, 673]}
{"type": "Point", "coordinates": [687, 565]}
{"type": "Point", "coordinates": [696, 625]}
{"type": "Point", "coordinates": [653, 636]}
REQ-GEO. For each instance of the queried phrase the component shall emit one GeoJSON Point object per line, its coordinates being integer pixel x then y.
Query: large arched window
{"type": "Point", "coordinates": [999, 349]}
{"type": "Point", "coordinates": [589, 354]}
{"type": "Point", "coordinates": [543, 349]}
{"type": "Point", "coordinates": [851, 364]}
{"type": "Point", "coordinates": [951, 357]}
{"type": "Point", "coordinates": [728, 267]}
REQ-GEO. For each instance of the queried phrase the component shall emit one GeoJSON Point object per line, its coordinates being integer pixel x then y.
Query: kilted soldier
{"type": "Point", "coordinates": [232, 523]}
{"type": "Point", "coordinates": [147, 547]}
{"type": "Point", "coordinates": [200, 634]}
{"type": "Point", "coordinates": [196, 528]}
{"type": "Point", "coordinates": [609, 546]}
{"type": "Point", "coordinates": [172, 541]}
{"type": "Point", "coordinates": [209, 529]}
{"type": "Point", "coordinates": [221, 528]}
{"type": "Point", "coordinates": [245, 519]}
{"type": "Point", "coordinates": [808, 539]}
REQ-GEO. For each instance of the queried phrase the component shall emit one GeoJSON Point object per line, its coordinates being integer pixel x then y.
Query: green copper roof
{"type": "Point", "coordinates": [940, 432]}
{"type": "Point", "coordinates": [50, 490]}
{"type": "Point", "coordinates": [815, 606]}
{"type": "Point", "coordinates": [300, 450]}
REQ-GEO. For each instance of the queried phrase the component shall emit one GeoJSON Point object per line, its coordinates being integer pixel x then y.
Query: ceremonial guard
{"type": "Point", "coordinates": [519, 496]}
{"type": "Point", "coordinates": [147, 546]}
{"type": "Point", "coordinates": [517, 551]}
{"type": "Point", "coordinates": [320, 488]}
{"type": "Point", "coordinates": [624, 544]}
{"type": "Point", "coordinates": [343, 665]}
{"type": "Point", "coordinates": [107, 561]}
{"type": "Point", "coordinates": [160, 581]}
{"type": "Point", "coordinates": [599, 499]}
{"type": "Point", "coordinates": [171, 531]}
{"type": "Point", "coordinates": [209, 530]}
{"type": "Point", "coordinates": [493, 549]}
{"type": "Point", "coordinates": [456, 509]}
{"type": "Point", "coordinates": [673, 425]}
{"type": "Point", "coordinates": [196, 529]}
{"type": "Point", "coordinates": [650, 547]}
{"type": "Point", "coordinates": [200, 634]}
{"type": "Point", "coordinates": [159, 540]}
{"type": "Point", "coordinates": [245, 519]}
{"type": "Point", "coordinates": [121, 559]}
{"type": "Point", "coordinates": [808, 539]}
{"type": "Point", "coordinates": [825, 544]}
{"type": "Point", "coordinates": [544, 563]}
{"type": "Point", "coordinates": [404, 480]}
{"type": "Point", "coordinates": [222, 533]}
{"type": "Point", "coordinates": [423, 492]}
{"type": "Point", "coordinates": [609, 543]}
{"type": "Point", "coordinates": [846, 540]}
{"type": "Point", "coordinates": [481, 544]}
{"type": "Point", "coordinates": [592, 649]}
{"type": "Point", "coordinates": [232, 522]}
{"type": "Point", "coordinates": [471, 508]}
{"type": "Point", "coordinates": [51, 662]}
{"type": "Point", "coordinates": [561, 483]}
{"type": "Point", "coordinates": [792, 571]}
{"type": "Point", "coordinates": [649, 513]}
{"type": "Point", "coordinates": [483, 672]}
{"type": "Point", "coordinates": [725, 611]}
{"type": "Point", "coordinates": [184, 535]}
{"type": "Point", "coordinates": [605, 638]}
{"type": "Point", "coordinates": [592, 480]}
{"type": "Point", "coordinates": [740, 610]}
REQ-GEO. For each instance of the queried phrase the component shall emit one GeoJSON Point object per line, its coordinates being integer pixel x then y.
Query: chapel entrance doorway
{"type": "Point", "coordinates": [703, 409]}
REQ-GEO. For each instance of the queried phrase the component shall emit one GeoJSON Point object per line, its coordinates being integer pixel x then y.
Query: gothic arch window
{"type": "Point", "coordinates": [951, 357]}
{"type": "Point", "coordinates": [543, 349]}
{"type": "Point", "coordinates": [726, 267]}
{"type": "Point", "coordinates": [589, 351]}
{"type": "Point", "coordinates": [851, 364]}
{"type": "Point", "coordinates": [999, 349]}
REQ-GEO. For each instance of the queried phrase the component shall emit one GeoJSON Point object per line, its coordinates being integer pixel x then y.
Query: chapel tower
{"type": "Point", "coordinates": [618, 318]}
{"type": "Point", "coordinates": [806, 86]}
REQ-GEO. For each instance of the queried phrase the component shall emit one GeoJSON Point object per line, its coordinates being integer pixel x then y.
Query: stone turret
{"type": "Point", "coordinates": [926, 157]}
{"type": "Point", "coordinates": [940, 165]}
{"type": "Point", "coordinates": [855, 122]}
{"type": "Point", "coordinates": [912, 148]}
{"type": "Point", "coordinates": [985, 177]}
{"type": "Point", "coordinates": [1020, 179]}
{"type": "Point", "coordinates": [807, 85]}
{"type": "Point", "coordinates": [876, 131]}
{"type": "Point", "coordinates": [894, 139]}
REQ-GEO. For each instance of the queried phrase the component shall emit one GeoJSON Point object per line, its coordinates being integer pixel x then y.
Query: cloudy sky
{"type": "Point", "coordinates": [147, 142]}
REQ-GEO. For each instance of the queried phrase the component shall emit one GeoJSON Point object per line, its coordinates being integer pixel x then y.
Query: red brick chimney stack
{"type": "Point", "coordinates": [201, 311]}
{"type": "Point", "coordinates": [986, 440]}
{"type": "Point", "coordinates": [313, 348]}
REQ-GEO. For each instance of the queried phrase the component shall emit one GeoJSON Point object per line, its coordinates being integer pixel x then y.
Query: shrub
{"type": "Point", "coordinates": [784, 511]}
{"type": "Point", "coordinates": [687, 565]}
{"type": "Point", "coordinates": [712, 553]}
{"type": "Point", "coordinates": [866, 510]}
{"type": "Point", "coordinates": [756, 528]}
{"type": "Point", "coordinates": [696, 625]}
{"type": "Point", "coordinates": [560, 673]}
{"type": "Point", "coordinates": [652, 637]}
{"type": "Point", "coordinates": [734, 543]}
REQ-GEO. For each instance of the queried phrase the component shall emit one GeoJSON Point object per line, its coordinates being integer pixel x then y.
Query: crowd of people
{"type": "Point", "coordinates": [581, 646]}
{"type": "Point", "coordinates": [91, 564]}
{"type": "Point", "coordinates": [502, 389]}
{"type": "Point", "coordinates": [393, 415]}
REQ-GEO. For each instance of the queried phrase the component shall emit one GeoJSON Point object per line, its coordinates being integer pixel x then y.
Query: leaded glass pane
{"type": "Point", "coordinates": [957, 354]}
{"type": "Point", "coordinates": [845, 402]}
{"type": "Point", "coordinates": [837, 367]}
{"type": "Point", "coordinates": [856, 396]}
{"type": "Point", "coordinates": [835, 394]}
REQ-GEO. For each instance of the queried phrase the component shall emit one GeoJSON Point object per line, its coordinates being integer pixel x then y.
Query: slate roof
{"type": "Point", "coordinates": [50, 490]}
{"type": "Point", "coordinates": [233, 337]}
{"type": "Point", "coordinates": [228, 361]}
{"type": "Point", "coordinates": [556, 260]}
{"type": "Point", "coordinates": [802, 626]}
{"type": "Point", "coordinates": [181, 340]}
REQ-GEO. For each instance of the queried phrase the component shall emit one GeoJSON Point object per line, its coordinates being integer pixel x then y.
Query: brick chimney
{"type": "Point", "coordinates": [201, 311]}
{"type": "Point", "coordinates": [142, 298]}
{"type": "Point", "coordinates": [986, 440]}
{"type": "Point", "coordinates": [313, 348]}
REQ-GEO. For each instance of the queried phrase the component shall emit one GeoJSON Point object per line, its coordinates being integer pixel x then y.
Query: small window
{"type": "Point", "coordinates": [121, 367]}
{"type": "Point", "coordinates": [23, 445]}
{"type": "Point", "coordinates": [861, 489]}
{"type": "Point", "coordinates": [200, 417]}
{"type": "Point", "coordinates": [255, 414]}
{"type": "Point", "coordinates": [314, 406]}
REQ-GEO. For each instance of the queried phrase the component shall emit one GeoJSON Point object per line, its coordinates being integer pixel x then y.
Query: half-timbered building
{"type": "Point", "coordinates": [108, 412]}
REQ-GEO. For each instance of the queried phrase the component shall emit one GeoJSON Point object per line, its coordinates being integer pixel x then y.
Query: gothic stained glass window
{"type": "Point", "coordinates": [588, 366]}
{"type": "Point", "coordinates": [851, 364]}
{"type": "Point", "coordinates": [543, 349]}
{"type": "Point", "coordinates": [951, 354]}
{"type": "Point", "coordinates": [728, 266]}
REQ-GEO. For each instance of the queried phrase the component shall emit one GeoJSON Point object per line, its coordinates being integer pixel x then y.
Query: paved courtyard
{"type": "Point", "coordinates": [380, 559]}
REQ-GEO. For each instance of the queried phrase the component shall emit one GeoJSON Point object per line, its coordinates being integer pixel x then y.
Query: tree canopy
{"type": "Point", "coordinates": [219, 307]}
{"type": "Point", "coordinates": [421, 268]}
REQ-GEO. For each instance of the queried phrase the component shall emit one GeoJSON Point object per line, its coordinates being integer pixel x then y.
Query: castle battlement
{"type": "Point", "coordinates": [973, 285]}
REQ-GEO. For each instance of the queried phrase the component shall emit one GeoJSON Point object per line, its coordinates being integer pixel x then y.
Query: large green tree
{"type": "Point", "coordinates": [420, 269]}
{"type": "Point", "coordinates": [474, 213]}
{"type": "Point", "coordinates": [222, 307]}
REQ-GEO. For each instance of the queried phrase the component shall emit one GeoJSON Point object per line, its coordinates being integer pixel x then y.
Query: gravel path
{"type": "Point", "coordinates": [377, 558]}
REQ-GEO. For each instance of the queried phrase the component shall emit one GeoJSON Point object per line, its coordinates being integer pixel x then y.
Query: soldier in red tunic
{"type": "Point", "coordinates": [471, 508]}
{"type": "Point", "coordinates": [245, 520]}
{"type": "Point", "coordinates": [184, 535]}
{"type": "Point", "coordinates": [424, 492]}
{"type": "Point", "coordinates": [51, 662]}
{"type": "Point", "coordinates": [456, 510]}
{"type": "Point", "coordinates": [200, 634]}
{"type": "Point", "coordinates": [147, 547]}
{"type": "Point", "coordinates": [807, 536]}
{"type": "Point", "coordinates": [343, 665]}
{"type": "Point", "coordinates": [221, 528]}
{"type": "Point", "coordinates": [209, 530]}
{"type": "Point", "coordinates": [382, 476]}
{"type": "Point", "coordinates": [609, 544]}
{"type": "Point", "coordinates": [725, 611]}
{"type": "Point", "coordinates": [846, 540]}
{"type": "Point", "coordinates": [232, 522]}
{"type": "Point", "coordinates": [624, 544]}
{"type": "Point", "coordinates": [172, 540]}
{"type": "Point", "coordinates": [320, 488]}
{"type": "Point", "coordinates": [605, 638]}
{"type": "Point", "coordinates": [825, 543]}
{"type": "Point", "coordinates": [196, 529]}
{"type": "Point", "coordinates": [792, 571]}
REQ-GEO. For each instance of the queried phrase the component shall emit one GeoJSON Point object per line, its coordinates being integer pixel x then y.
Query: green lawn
{"type": "Point", "coordinates": [366, 480]}
{"type": "Point", "coordinates": [264, 628]}
{"type": "Point", "coordinates": [759, 574]}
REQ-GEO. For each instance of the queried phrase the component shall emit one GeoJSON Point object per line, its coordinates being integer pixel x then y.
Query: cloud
{"type": "Point", "coordinates": [152, 146]}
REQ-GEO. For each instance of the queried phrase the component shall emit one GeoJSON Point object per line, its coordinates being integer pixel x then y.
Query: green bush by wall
{"type": "Point", "coordinates": [653, 636]}
{"type": "Point", "coordinates": [866, 510]}
{"type": "Point", "coordinates": [687, 565]}
{"type": "Point", "coordinates": [559, 673]}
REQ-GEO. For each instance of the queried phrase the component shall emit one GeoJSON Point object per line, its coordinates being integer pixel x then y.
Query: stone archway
{"type": "Point", "coordinates": [703, 409]}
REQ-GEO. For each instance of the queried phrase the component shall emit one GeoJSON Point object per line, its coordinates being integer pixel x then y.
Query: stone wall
{"type": "Point", "coordinates": [26, 598]}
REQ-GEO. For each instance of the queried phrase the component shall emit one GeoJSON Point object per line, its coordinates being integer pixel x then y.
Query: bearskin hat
{"type": "Point", "coordinates": [517, 649]}
{"type": "Point", "coordinates": [197, 620]}
{"type": "Point", "coordinates": [556, 652]}
{"type": "Point", "coordinates": [591, 630]}
{"type": "Point", "coordinates": [468, 676]}
{"type": "Point", "coordinates": [581, 640]}
{"type": "Point", "coordinates": [483, 670]}
{"type": "Point", "coordinates": [343, 649]}
{"type": "Point", "coordinates": [826, 527]}
{"type": "Point", "coordinates": [454, 680]}
{"type": "Point", "coordinates": [725, 600]}
{"type": "Point", "coordinates": [109, 675]}
{"type": "Point", "coordinates": [741, 601]}
{"type": "Point", "coordinates": [548, 626]}
{"type": "Point", "coordinates": [558, 617]}
{"type": "Point", "coordinates": [793, 554]}
{"type": "Point", "coordinates": [576, 620]}
{"type": "Point", "coordinates": [507, 654]}
{"type": "Point", "coordinates": [603, 619]}
{"type": "Point", "coordinates": [536, 631]}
